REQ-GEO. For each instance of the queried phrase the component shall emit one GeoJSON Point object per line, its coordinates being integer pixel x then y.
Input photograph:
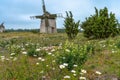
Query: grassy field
{"type": "Point", "coordinates": [29, 56]}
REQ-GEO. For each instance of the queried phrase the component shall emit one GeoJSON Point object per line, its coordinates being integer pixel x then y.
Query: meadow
{"type": "Point", "coordinates": [35, 56]}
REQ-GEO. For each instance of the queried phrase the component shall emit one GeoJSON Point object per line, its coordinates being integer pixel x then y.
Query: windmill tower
{"type": "Point", "coordinates": [48, 21]}
{"type": "Point", "coordinates": [2, 27]}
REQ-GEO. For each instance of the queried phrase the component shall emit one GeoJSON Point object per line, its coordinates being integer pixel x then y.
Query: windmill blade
{"type": "Point", "coordinates": [60, 15]}
{"type": "Point", "coordinates": [32, 17]}
{"type": "Point", "coordinates": [44, 8]}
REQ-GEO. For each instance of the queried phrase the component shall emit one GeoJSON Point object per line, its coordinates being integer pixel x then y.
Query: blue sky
{"type": "Point", "coordinates": [16, 13]}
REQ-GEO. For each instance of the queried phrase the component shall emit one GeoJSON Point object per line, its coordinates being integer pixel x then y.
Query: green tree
{"type": "Point", "coordinates": [71, 27]}
{"type": "Point", "coordinates": [100, 25]}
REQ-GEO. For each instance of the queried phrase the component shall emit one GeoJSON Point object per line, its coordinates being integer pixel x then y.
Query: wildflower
{"type": "Point", "coordinates": [39, 58]}
{"type": "Point", "coordinates": [60, 44]}
{"type": "Point", "coordinates": [11, 57]}
{"type": "Point", "coordinates": [12, 54]}
{"type": "Point", "coordinates": [43, 77]}
{"type": "Point", "coordinates": [63, 57]}
{"type": "Point", "coordinates": [15, 58]}
{"type": "Point", "coordinates": [97, 72]}
{"type": "Point", "coordinates": [46, 49]}
{"type": "Point", "coordinates": [49, 53]}
{"type": "Point", "coordinates": [65, 64]}
{"type": "Point", "coordinates": [104, 45]}
{"type": "Point", "coordinates": [26, 44]}
{"type": "Point", "coordinates": [7, 59]}
{"type": "Point", "coordinates": [37, 44]}
{"type": "Point", "coordinates": [61, 66]}
{"type": "Point", "coordinates": [83, 71]}
{"type": "Point", "coordinates": [75, 65]}
{"type": "Point", "coordinates": [37, 50]}
{"type": "Point", "coordinates": [113, 51]}
{"type": "Point", "coordinates": [67, 50]}
{"type": "Point", "coordinates": [74, 74]}
{"type": "Point", "coordinates": [47, 65]}
{"type": "Point", "coordinates": [23, 49]}
{"type": "Point", "coordinates": [60, 47]}
{"type": "Point", "coordinates": [42, 59]}
{"type": "Point", "coordinates": [73, 71]}
{"type": "Point", "coordinates": [52, 50]}
{"type": "Point", "coordinates": [24, 52]}
{"type": "Point", "coordinates": [53, 68]}
{"type": "Point", "coordinates": [41, 72]}
{"type": "Point", "coordinates": [2, 58]}
{"type": "Point", "coordinates": [35, 55]}
{"type": "Point", "coordinates": [37, 63]}
{"type": "Point", "coordinates": [82, 78]}
{"type": "Point", "coordinates": [67, 77]}
{"type": "Point", "coordinates": [53, 61]}
{"type": "Point", "coordinates": [53, 55]}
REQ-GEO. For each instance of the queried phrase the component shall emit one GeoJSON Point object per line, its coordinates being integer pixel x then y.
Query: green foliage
{"type": "Point", "coordinates": [32, 52]}
{"type": "Point", "coordinates": [118, 44]}
{"type": "Point", "coordinates": [100, 25]}
{"type": "Point", "coordinates": [73, 54]}
{"type": "Point", "coordinates": [3, 43]}
{"type": "Point", "coordinates": [34, 31]}
{"type": "Point", "coordinates": [71, 27]}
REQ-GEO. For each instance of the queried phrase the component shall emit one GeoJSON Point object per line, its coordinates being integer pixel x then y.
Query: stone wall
{"type": "Point", "coordinates": [50, 29]}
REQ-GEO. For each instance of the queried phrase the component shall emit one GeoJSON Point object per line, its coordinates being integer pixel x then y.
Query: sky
{"type": "Point", "coordinates": [16, 13]}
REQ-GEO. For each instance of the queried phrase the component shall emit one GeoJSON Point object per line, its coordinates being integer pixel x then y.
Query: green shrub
{"type": "Point", "coordinates": [90, 48]}
{"type": "Point", "coordinates": [100, 25]}
{"type": "Point", "coordinates": [3, 43]}
{"type": "Point", "coordinates": [71, 27]}
{"type": "Point", "coordinates": [32, 52]}
{"type": "Point", "coordinates": [118, 45]}
{"type": "Point", "coordinates": [14, 48]}
{"type": "Point", "coordinates": [73, 54]}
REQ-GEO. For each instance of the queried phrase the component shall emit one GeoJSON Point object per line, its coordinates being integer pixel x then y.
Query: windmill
{"type": "Point", "coordinates": [2, 27]}
{"type": "Point", "coordinates": [48, 21]}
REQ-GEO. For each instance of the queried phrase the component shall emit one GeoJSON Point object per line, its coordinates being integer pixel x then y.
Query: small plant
{"type": "Point", "coordinates": [32, 52]}
{"type": "Point", "coordinates": [71, 27]}
{"type": "Point", "coordinates": [14, 48]}
{"type": "Point", "coordinates": [118, 44]}
{"type": "Point", "coordinates": [73, 55]}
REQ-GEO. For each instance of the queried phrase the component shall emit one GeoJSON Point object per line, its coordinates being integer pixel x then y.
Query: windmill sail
{"type": "Point", "coordinates": [48, 21]}
{"type": "Point", "coordinates": [44, 8]}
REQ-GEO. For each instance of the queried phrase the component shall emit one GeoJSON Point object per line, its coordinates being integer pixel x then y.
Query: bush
{"type": "Point", "coordinates": [71, 27]}
{"type": "Point", "coordinates": [32, 52]}
{"type": "Point", "coordinates": [73, 54]}
{"type": "Point", "coordinates": [100, 25]}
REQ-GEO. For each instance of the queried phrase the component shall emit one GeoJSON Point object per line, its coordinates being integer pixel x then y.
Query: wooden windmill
{"type": "Point", "coordinates": [48, 21]}
{"type": "Point", "coordinates": [2, 27]}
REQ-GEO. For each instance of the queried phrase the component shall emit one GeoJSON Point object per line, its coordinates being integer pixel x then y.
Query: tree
{"type": "Point", "coordinates": [71, 27]}
{"type": "Point", "coordinates": [100, 25]}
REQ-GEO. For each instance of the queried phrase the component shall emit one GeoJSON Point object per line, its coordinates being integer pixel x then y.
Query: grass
{"type": "Point", "coordinates": [103, 57]}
